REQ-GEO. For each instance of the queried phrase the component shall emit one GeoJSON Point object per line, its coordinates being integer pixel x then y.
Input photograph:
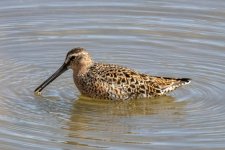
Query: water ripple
{"type": "Point", "coordinates": [165, 38]}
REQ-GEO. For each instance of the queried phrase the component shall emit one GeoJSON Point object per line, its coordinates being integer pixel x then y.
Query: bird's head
{"type": "Point", "coordinates": [77, 59]}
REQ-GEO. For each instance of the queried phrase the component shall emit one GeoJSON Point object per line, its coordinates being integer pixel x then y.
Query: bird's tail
{"type": "Point", "coordinates": [184, 81]}
{"type": "Point", "coordinates": [175, 84]}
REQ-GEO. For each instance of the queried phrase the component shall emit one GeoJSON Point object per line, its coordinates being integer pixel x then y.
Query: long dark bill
{"type": "Point", "coordinates": [61, 70]}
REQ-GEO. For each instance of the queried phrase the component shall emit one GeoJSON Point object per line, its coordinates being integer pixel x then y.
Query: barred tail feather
{"type": "Point", "coordinates": [179, 82]}
{"type": "Point", "coordinates": [184, 81]}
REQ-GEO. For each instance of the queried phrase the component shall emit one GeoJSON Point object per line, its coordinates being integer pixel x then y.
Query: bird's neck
{"type": "Point", "coordinates": [79, 76]}
{"type": "Point", "coordinates": [82, 69]}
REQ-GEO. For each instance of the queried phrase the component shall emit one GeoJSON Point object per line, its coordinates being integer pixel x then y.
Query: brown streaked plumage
{"type": "Point", "coordinates": [110, 81]}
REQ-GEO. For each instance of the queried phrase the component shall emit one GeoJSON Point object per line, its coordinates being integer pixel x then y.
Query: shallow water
{"type": "Point", "coordinates": [166, 38]}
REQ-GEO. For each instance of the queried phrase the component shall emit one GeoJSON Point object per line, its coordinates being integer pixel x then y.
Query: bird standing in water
{"type": "Point", "coordinates": [110, 81]}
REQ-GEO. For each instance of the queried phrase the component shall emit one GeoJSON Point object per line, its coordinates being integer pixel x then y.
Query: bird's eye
{"type": "Point", "coordinates": [72, 58]}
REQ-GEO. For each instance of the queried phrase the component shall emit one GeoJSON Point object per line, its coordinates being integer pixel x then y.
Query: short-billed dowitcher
{"type": "Point", "coordinates": [110, 81]}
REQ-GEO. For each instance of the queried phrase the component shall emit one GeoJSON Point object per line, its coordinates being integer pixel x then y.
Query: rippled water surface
{"type": "Point", "coordinates": [174, 38]}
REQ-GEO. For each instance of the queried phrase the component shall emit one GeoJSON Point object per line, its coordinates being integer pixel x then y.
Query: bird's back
{"type": "Point", "coordinates": [109, 81]}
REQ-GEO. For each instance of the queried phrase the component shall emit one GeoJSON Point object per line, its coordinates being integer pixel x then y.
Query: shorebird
{"type": "Point", "coordinates": [110, 81]}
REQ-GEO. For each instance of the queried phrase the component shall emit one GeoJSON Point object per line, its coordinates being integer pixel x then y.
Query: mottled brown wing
{"type": "Point", "coordinates": [120, 82]}
{"type": "Point", "coordinates": [124, 83]}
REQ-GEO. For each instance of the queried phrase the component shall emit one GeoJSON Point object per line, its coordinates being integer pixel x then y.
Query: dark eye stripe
{"type": "Point", "coordinates": [72, 58]}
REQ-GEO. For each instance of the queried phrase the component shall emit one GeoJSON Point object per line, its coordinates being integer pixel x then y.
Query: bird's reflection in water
{"type": "Point", "coordinates": [102, 121]}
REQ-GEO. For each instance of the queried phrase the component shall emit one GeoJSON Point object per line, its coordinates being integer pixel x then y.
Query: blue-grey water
{"type": "Point", "coordinates": [175, 38]}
